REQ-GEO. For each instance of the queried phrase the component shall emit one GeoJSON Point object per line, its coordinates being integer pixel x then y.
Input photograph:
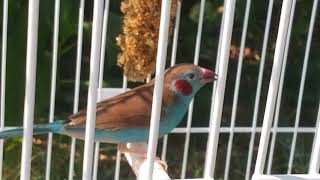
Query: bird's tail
{"type": "Point", "coordinates": [37, 129]}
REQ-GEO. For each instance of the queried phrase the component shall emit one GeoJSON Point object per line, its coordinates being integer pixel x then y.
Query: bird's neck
{"type": "Point", "coordinates": [174, 111]}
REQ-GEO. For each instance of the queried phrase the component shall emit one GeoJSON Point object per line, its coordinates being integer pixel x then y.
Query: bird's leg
{"type": "Point", "coordinates": [139, 149]}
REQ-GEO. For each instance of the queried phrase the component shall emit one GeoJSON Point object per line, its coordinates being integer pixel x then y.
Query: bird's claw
{"type": "Point", "coordinates": [163, 163]}
{"type": "Point", "coordinates": [140, 149]}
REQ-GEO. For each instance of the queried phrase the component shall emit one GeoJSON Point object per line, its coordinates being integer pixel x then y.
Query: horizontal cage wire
{"type": "Point", "coordinates": [259, 120]}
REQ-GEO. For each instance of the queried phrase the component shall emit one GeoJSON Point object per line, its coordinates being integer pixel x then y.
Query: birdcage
{"type": "Point", "coordinates": [261, 138]}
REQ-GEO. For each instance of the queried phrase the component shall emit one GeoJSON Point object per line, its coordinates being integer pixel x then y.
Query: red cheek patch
{"type": "Point", "coordinates": [184, 87]}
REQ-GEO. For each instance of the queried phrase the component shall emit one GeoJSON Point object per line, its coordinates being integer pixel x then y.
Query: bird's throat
{"type": "Point", "coordinates": [184, 87]}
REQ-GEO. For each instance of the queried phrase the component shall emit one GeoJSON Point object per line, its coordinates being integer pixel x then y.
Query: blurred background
{"type": "Point", "coordinates": [16, 56]}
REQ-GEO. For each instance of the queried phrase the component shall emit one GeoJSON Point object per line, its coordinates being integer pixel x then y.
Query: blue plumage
{"type": "Point", "coordinates": [37, 129]}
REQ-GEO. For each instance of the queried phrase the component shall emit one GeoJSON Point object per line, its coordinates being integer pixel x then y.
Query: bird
{"type": "Point", "coordinates": [126, 117]}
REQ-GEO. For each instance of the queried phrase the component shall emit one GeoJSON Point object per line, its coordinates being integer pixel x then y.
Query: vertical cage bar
{"type": "Point", "coordinates": [96, 160]}
{"type": "Point", "coordinates": [28, 116]}
{"type": "Point", "coordinates": [199, 33]}
{"type": "Point", "coordinates": [176, 33]}
{"type": "Point", "coordinates": [258, 91]}
{"type": "Point", "coordinates": [53, 83]}
{"type": "Point", "coordinates": [213, 139]}
{"type": "Point", "coordinates": [236, 90]}
{"type": "Point", "coordinates": [158, 88]}
{"type": "Point", "coordinates": [103, 45]}
{"type": "Point", "coordinates": [216, 69]}
{"type": "Point", "coordinates": [72, 158]}
{"type": "Point", "coordinates": [173, 62]}
{"type": "Point", "coordinates": [190, 111]}
{"type": "Point", "coordinates": [124, 83]}
{"type": "Point", "coordinates": [279, 95]}
{"type": "Point", "coordinates": [100, 86]}
{"type": "Point", "coordinates": [117, 169]}
{"type": "Point", "coordinates": [273, 86]}
{"type": "Point", "coordinates": [302, 82]}
{"type": "Point", "coordinates": [3, 76]}
{"type": "Point", "coordinates": [77, 85]}
{"type": "Point", "coordinates": [148, 78]}
{"type": "Point", "coordinates": [187, 141]}
{"type": "Point", "coordinates": [92, 93]}
{"type": "Point", "coordinates": [314, 165]}
{"type": "Point", "coordinates": [118, 160]}
{"type": "Point", "coordinates": [164, 147]}
{"type": "Point", "coordinates": [276, 117]}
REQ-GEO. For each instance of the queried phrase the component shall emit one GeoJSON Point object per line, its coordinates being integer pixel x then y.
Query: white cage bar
{"type": "Point", "coordinates": [32, 42]}
{"type": "Point", "coordinates": [236, 90]}
{"type": "Point", "coordinates": [96, 92]}
{"type": "Point", "coordinates": [274, 85]}
{"type": "Point", "coordinates": [100, 85]}
{"type": "Point", "coordinates": [314, 165]}
{"type": "Point", "coordinates": [302, 83]}
{"type": "Point", "coordinates": [173, 62]}
{"type": "Point", "coordinates": [279, 96]}
{"type": "Point", "coordinates": [3, 75]}
{"type": "Point", "coordinates": [157, 98]}
{"type": "Point", "coordinates": [93, 86]}
{"type": "Point", "coordinates": [190, 111]}
{"type": "Point", "coordinates": [216, 112]}
{"type": "Point", "coordinates": [77, 84]}
{"type": "Point", "coordinates": [53, 83]}
{"type": "Point", "coordinates": [258, 92]}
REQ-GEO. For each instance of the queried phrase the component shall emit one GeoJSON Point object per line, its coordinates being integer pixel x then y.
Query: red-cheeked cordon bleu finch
{"type": "Point", "coordinates": [126, 117]}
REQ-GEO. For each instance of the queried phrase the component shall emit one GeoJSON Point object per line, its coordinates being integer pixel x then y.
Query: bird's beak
{"type": "Point", "coordinates": [208, 76]}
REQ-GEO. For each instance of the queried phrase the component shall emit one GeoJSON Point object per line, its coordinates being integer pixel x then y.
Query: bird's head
{"type": "Point", "coordinates": [187, 79]}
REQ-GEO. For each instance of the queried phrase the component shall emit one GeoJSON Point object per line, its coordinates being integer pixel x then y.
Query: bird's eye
{"type": "Point", "coordinates": [191, 76]}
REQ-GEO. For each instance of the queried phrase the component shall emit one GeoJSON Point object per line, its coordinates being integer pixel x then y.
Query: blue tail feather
{"type": "Point", "coordinates": [37, 129]}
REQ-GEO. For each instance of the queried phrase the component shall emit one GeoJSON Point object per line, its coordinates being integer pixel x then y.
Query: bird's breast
{"type": "Point", "coordinates": [172, 117]}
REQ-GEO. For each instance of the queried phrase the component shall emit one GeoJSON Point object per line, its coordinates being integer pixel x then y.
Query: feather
{"type": "Point", "coordinates": [131, 109]}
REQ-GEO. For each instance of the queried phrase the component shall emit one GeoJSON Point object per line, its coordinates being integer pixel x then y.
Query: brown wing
{"type": "Point", "coordinates": [128, 110]}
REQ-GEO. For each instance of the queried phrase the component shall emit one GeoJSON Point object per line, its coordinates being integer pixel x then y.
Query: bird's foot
{"type": "Point", "coordinates": [139, 149]}
{"type": "Point", "coordinates": [163, 163]}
